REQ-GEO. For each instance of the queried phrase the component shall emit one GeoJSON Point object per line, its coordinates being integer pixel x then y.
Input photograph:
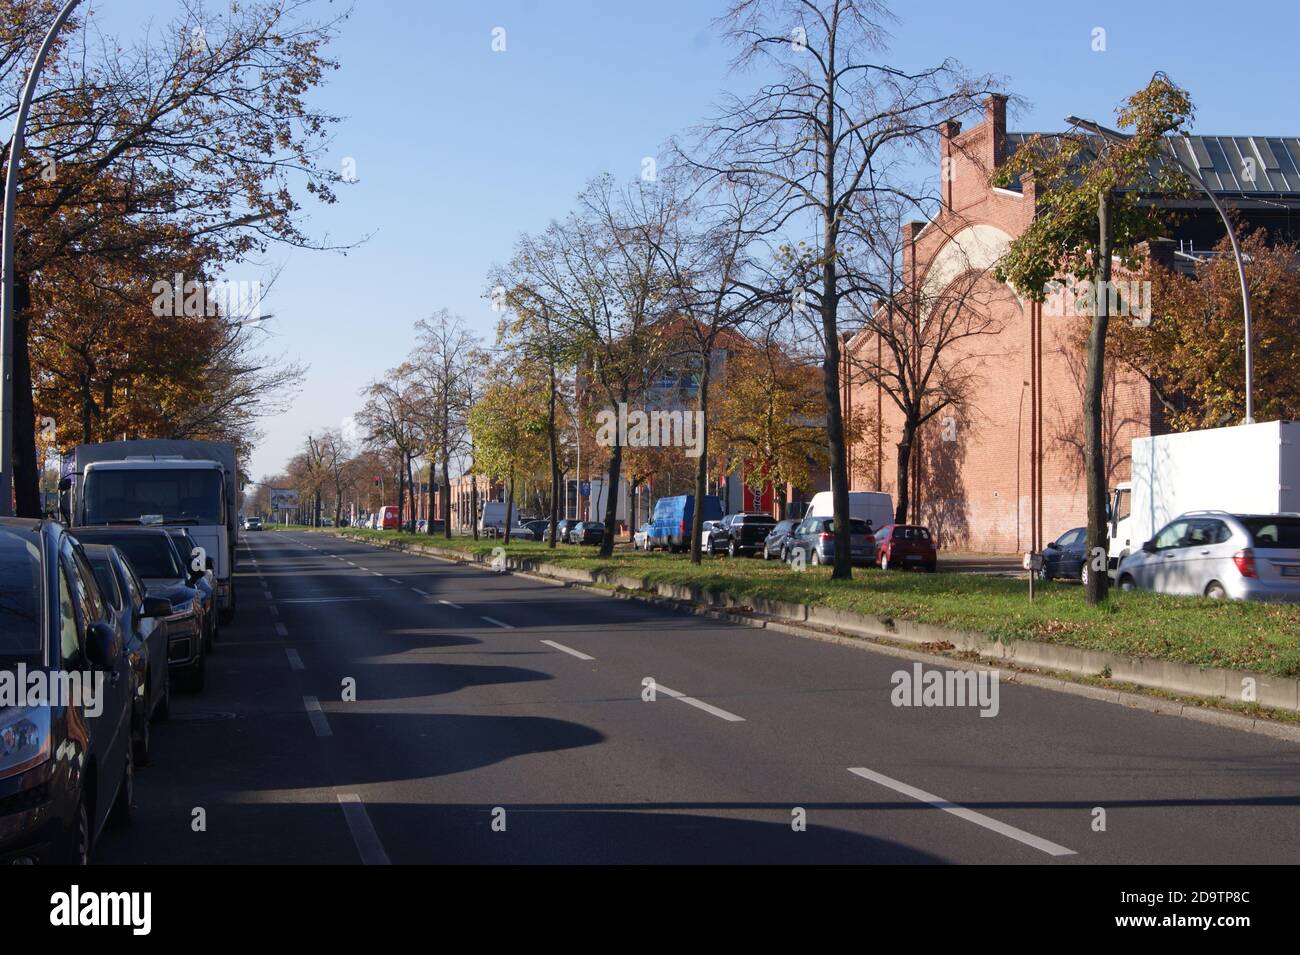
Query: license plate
{"type": "Point", "coordinates": [1291, 571]}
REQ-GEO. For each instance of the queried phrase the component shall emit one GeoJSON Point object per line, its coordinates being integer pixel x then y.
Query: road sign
{"type": "Point", "coordinates": [283, 498]}
{"type": "Point", "coordinates": [585, 489]}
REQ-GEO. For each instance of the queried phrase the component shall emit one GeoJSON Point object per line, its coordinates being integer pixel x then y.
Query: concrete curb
{"type": "Point", "coordinates": [898, 637]}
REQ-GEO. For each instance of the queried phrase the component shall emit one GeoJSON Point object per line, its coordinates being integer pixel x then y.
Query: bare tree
{"type": "Point", "coordinates": [822, 140]}
{"type": "Point", "coordinates": [920, 346]}
{"type": "Point", "coordinates": [444, 362]}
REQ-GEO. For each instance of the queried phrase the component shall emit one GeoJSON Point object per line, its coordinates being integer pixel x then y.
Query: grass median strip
{"type": "Point", "coordinates": [1194, 630]}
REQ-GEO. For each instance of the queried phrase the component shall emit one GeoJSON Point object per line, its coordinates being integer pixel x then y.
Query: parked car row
{"type": "Point", "coordinates": [129, 611]}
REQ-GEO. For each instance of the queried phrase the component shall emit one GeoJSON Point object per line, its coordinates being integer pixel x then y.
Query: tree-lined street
{"type": "Point", "coordinates": [474, 693]}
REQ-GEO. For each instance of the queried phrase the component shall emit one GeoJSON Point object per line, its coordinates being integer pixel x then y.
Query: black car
{"type": "Point", "coordinates": [778, 539]}
{"type": "Point", "coordinates": [587, 532]}
{"type": "Point", "coordinates": [154, 557]}
{"type": "Point", "coordinates": [141, 621]}
{"type": "Point", "coordinates": [189, 551]}
{"type": "Point", "coordinates": [539, 529]}
{"type": "Point", "coordinates": [66, 766]}
{"type": "Point", "coordinates": [1066, 556]}
{"type": "Point", "coordinates": [742, 533]}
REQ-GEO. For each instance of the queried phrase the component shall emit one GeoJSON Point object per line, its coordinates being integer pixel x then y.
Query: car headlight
{"type": "Point", "coordinates": [24, 739]}
{"type": "Point", "coordinates": [183, 609]}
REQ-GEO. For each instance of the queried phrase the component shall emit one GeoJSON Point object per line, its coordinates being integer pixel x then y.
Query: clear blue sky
{"type": "Point", "coordinates": [459, 149]}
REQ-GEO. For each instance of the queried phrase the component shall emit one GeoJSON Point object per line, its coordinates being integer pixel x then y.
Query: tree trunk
{"type": "Point", "coordinates": [556, 477]}
{"type": "Point", "coordinates": [410, 487]}
{"type": "Point", "coordinates": [904, 473]}
{"type": "Point", "coordinates": [401, 493]}
{"type": "Point", "coordinates": [1094, 462]}
{"type": "Point", "coordinates": [611, 502]}
{"type": "Point", "coordinates": [510, 503]}
{"type": "Point", "coordinates": [843, 569]}
{"type": "Point", "coordinates": [446, 493]}
{"type": "Point", "coordinates": [701, 465]}
{"type": "Point", "coordinates": [27, 477]}
{"type": "Point", "coordinates": [87, 407]}
{"type": "Point", "coordinates": [473, 499]}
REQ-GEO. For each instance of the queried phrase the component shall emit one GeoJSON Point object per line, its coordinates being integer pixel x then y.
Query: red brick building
{"type": "Point", "coordinates": [1006, 473]}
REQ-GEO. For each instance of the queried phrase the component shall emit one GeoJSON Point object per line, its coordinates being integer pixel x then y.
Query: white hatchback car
{"type": "Point", "coordinates": [1217, 554]}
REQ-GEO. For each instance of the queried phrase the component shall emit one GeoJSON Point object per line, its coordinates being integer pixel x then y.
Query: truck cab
{"type": "Point", "coordinates": [1120, 544]}
{"type": "Point", "coordinates": [189, 484]}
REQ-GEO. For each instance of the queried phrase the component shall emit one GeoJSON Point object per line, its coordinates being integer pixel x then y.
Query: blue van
{"type": "Point", "coordinates": [670, 528]}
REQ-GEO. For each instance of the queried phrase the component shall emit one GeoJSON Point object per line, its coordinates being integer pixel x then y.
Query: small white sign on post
{"type": "Point", "coordinates": [1033, 561]}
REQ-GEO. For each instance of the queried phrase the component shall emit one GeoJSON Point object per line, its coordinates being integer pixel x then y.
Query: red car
{"type": "Point", "coordinates": [906, 545]}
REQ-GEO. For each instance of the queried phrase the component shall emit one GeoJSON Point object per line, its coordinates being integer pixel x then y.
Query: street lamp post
{"type": "Point", "coordinates": [1195, 176]}
{"type": "Point", "coordinates": [7, 264]}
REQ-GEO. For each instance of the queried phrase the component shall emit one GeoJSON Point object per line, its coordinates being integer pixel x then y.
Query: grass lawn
{"type": "Point", "coordinates": [1196, 630]}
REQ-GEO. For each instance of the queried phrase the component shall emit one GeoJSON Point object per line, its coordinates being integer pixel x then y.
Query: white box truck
{"type": "Point", "coordinates": [190, 484]}
{"type": "Point", "coordinates": [1246, 469]}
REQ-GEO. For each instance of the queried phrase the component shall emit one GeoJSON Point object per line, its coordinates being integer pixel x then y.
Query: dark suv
{"type": "Point", "coordinates": [742, 533]}
{"type": "Point", "coordinates": [65, 768]}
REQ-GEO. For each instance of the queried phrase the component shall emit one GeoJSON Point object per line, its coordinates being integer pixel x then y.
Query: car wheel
{"type": "Point", "coordinates": [1216, 591]}
{"type": "Point", "coordinates": [816, 558]}
{"type": "Point", "coordinates": [884, 562]}
{"type": "Point", "coordinates": [228, 614]}
{"type": "Point", "coordinates": [78, 852]}
{"type": "Point", "coordinates": [1083, 574]}
{"type": "Point", "coordinates": [731, 549]}
{"type": "Point", "coordinates": [1126, 582]}
{"type": "Point", "coordinates": [163, 709]}
{"type": "Point", "coordinates": [1044, 574]}
{"type": "Point", "coordinates": [120, 814]}
{"type": "Point", "coordinates": [140, 741]}
{"type": "Point", "coordinates": [198, 676]}
{"type": "Point", "coordinates": [207, 637]}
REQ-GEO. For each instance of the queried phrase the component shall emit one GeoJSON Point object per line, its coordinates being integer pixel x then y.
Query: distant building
{"type": "Point", "coordinates": [1008, 476]}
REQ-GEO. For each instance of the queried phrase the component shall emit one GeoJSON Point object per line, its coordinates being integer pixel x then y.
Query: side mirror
{"type": "Point", "coordinates": [1149, 547]}
{"type": "Point", "coordinates": [101, 646]}
{"type": "Point", "coordinates": [65, 483]}
{"type": "Point", "coordinates": [157, 607]}
{"type": "Point", "coordinates": [1052, 545]}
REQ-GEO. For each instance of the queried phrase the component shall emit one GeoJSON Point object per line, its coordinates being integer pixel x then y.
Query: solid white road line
{"type": "Point", "coordinates": [700, 704]}
{"type": "Point", "coordinates": [273, 610]}
{"type": "Point", "coordinates": [498, 623]}
{"type": "Point", "coordinates": [970, 815]}
{"type": "Point", "coordinates": [420, 592]}
{"type": "Point", "coordinates": [375, 573]}
{"type": "Point", "coordinates": [280, 631]}
{"type": "Point", "coordinates": [394, 580]}
{"type": "Point", "coordinates": [295, 661]}
{"type": "Point", "coordinates": [448, 603]}
{"type": "Point", "coordinates": [363, 832]}
{"type": "Point", "coordinates": [569, 650]}
{"type": "Point", "coordinates": [317, 716]}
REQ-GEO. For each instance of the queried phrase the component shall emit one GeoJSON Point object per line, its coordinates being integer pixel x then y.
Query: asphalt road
{"type": "Point", "coordinates": [501, 719]}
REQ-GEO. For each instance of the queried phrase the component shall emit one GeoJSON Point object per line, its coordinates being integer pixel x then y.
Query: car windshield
{"type": "Point", "coordinates": [20, 598]}
{"type": "Point", "coordinates": [176, 495]}
{"type": "Point", "coordinates": [152, 555]}
{"type": "Point", "coordinates": [1269, 532]}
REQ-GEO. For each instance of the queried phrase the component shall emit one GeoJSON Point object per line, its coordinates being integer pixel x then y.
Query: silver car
{"type": "Point", "coordinates": [1217, 554]}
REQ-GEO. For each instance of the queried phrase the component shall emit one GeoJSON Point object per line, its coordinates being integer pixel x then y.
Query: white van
{"type": "Point", "coordinates": [875, 507]}
{"type": "Point", "coordinates": [493, 518]}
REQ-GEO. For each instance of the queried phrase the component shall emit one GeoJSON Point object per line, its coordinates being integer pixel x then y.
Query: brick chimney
{"type": "Point", "coordinates": [947, 161]}
{"type": "Point", "coordinates": [995, 116]}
